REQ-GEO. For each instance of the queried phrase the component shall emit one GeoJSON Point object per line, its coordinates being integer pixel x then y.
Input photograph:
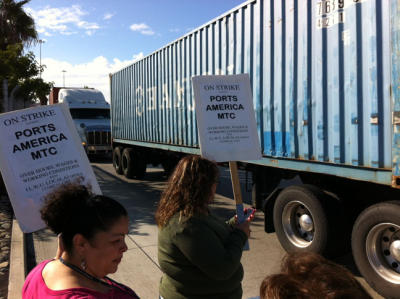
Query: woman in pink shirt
{"type": "Point", "coordinates": [93, 229]}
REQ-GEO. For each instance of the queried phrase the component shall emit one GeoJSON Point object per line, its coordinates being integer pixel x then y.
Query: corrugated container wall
{"type": "Point", "coordinates": [321, 74]}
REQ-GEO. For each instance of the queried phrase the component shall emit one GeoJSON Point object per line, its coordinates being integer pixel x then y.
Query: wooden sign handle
{"type": "Point", "coordinates": [237, 194]}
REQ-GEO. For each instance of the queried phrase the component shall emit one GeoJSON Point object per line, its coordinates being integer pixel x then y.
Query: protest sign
{"type": "Point", "coordinates": [226, 124]}
{"type": "Point", "coordinates": [40, 149]}
{"type": "Point", "coordinates": [225, 118]}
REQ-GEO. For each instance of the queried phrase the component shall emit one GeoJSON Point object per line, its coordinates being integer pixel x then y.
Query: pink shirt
{"type": "Point", "coordinates": [36, 288]}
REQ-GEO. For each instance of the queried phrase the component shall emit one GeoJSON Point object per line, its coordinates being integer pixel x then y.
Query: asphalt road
{"type": "Point", "coordinates": [139, 268]}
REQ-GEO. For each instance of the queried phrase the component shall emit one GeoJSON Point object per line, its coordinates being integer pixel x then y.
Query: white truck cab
{"type": "Point", "coordinates": [91, 114]}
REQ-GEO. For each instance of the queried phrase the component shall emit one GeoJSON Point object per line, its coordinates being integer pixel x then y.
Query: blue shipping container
{"type": "Point", "coordinates": [325, 81]}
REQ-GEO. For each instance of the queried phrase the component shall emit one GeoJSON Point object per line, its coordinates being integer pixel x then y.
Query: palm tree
{"type": "Point", "coordinates": [16, 26]}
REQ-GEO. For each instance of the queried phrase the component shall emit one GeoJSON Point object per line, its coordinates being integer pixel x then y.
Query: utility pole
{"type": "Point", "coordinates": [63, 71]}
{"type": "Point", "coordinates": [40, 41]}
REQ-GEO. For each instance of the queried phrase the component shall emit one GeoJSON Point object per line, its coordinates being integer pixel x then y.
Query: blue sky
{"type": "Point", "coordinates": [91, 38]}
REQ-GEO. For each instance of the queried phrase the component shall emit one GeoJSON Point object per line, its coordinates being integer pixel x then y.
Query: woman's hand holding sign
{"type": "Point", "coordinates": [245, 226]}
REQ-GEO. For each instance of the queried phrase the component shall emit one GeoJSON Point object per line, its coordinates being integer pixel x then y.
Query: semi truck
{"type": "Point", "coordinates": [91, 115]}
{"type": "Point", "coordinates": [325, 79]}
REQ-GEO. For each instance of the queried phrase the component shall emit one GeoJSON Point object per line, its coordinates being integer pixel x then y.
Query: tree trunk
{"type": "Point", "coordinates": [5, 96]}
{"type": "Point", "coordinates": [43, 101]}
{"type": "Point", "coordinates": [13, 103]}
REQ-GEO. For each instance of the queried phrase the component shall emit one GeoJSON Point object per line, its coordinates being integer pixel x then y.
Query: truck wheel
{"type": "Point", "coordinates": [300, 220]}
{"type": "Point", "coordinates": [169, 164]}
{"type": "Point", "coordinates": [256, 199]}
{"type": "Point", "coordinates": [127, 163]}
{"type": "Point", "coordinates": [376, 247]}
{"type": "Point", "coordinates": [141, 166]}
{"type": "Point", "coordinates": [116, 157]}
{"type": "Point", "coordinates": [133, 165]}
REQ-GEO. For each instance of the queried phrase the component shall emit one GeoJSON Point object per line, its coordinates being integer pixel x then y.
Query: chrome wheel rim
{"type": "Point", "coordinates": [298, 224]}
{"type": "Point", "coordinates": [383, 251]}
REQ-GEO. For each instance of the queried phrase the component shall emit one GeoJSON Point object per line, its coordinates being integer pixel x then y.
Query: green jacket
{"type": "Point", "coordinates": [200, 258]}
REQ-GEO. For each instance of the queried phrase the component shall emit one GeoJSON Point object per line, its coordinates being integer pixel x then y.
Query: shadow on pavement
{"type": "Point", "coordinates": [347, 261]}
{"type": "Point", "coordinates": [100, 158]}
{"type": "Point", "coordinates": [140, 198]}
{"type": "Point", "coordinates": [30, 252]}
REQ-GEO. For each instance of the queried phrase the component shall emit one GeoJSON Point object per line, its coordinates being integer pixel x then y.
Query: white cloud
{"type": "Point", "coordinates": [142, 28]}
{"type": "Point", "coordinates": [174, 30]}
{"type": "Point", "coordinates": [61, 20]}
{"type": "Point", "coordinates": [87, 25]}
{"type": "Point", "coordinates": [108, 16]}
{"type": "Point", "coordinates": [67, 33]}
{"type": "Point", "coordinates": [138, 27]}
{"type": "Point", "coordinates": [94, 73]}
{"type": "Point", "coordinates": [147, 32]}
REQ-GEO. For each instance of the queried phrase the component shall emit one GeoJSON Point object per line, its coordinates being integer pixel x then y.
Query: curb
{"type": "Point", "coordinates": [17, 268]}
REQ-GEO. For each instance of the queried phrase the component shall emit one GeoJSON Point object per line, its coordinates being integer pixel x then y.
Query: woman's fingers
{"type": "Point", "coordinates": [249, 213]}
{"type": "Point", "coordinates": [245, 227]}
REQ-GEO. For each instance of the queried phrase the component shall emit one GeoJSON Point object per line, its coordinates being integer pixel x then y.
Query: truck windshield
{"type": "Point", "coordinates": [90, 113]}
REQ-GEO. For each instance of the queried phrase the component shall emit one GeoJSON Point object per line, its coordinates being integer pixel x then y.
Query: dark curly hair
{"type": "Point", "coordinates": [188, 190]}
{"type": "Point", "coordinates": [311, 276]}
{"type": "Point", "coordinates": [73, 209]}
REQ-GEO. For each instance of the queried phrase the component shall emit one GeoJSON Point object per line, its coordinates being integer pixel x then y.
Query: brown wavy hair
{"type": "Point", "coordinates": [188, 190]}
{"type": "Point", "coordinates": [311, 276]}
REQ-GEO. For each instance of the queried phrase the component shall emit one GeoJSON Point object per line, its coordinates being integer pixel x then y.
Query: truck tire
{"type": "Point", "coordinates": [300, 220]}
{"type": "Point", "coordinates": [169, 164]}
{"type": "Point", "coordinates": [133, 166]}
{"type": "Point", "coordinates": [376, 247]}
{"type": "Point", "coordinates": [256, 198]}
{"type": "Point", "coordinates": [116, 157]}
{"type": "Point", "coordinates": [127, 163]}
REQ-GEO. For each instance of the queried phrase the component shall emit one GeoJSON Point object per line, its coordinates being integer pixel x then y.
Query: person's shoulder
{"type": "Point", "coordinates": [178, 223]}
{"type": "Point", "coordinates": [122, 291]}
{"type": "Point", "coordinates": [81, 293]}
{"type": "Point", "coordinates": [43, 264]}
{"type": "Point", "coordinates": [33, 281]}
{"type": "Point", "coordinates": [38, 269]}
{"type": "Point", "coordinates": [85, 293]}
{"type": "Point", "coordinates": [172, 223]}
{"type": "Point", "coordinates": [129, 294]}
{"type": "Point", "coordinates": [197, 223]}
{"type": "Point", "coordinates": [199, 218]}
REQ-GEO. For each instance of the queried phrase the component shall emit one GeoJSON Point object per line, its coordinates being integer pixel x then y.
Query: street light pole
{"type": "Point", "coordinates": [63, 71]}
{"type": "Point", "coordinates": [40, 41]}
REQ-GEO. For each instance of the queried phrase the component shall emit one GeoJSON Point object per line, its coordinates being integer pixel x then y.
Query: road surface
{"type": "Point", "coordinates": [139, 268]}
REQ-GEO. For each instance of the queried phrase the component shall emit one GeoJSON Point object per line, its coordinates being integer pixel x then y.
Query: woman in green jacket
{"type": "Point", "coordinates": [198, 253]}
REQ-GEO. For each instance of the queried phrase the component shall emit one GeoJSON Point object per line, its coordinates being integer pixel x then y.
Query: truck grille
{"type": "Point", "coordinates": [99, 138]}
